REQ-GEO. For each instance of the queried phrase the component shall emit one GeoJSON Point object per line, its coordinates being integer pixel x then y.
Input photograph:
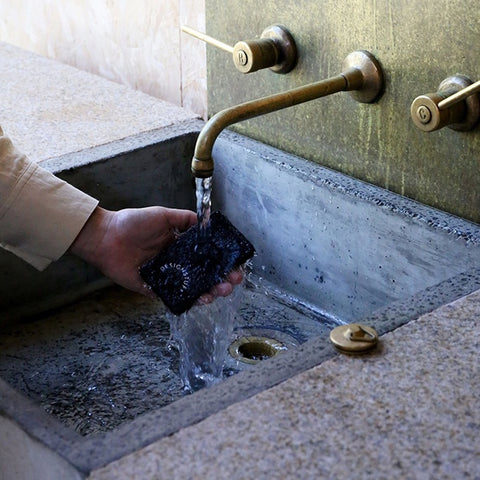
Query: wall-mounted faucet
{"type": "Point", "coordinates": [362, 75]}
{"type": "Point", "coordinates": [456, 104]}
{"type": "Point", "coordinates": [275, 49]}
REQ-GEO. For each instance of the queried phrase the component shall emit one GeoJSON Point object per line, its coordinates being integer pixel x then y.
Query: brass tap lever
{"type": "Point", "coordinates": [275, 49]}
{"type": "Point", "coordinates": [362, 76]}
{"type": "Point", "coordinates": [456, 104]}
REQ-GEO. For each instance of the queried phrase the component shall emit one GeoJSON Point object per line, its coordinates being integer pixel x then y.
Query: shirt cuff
{"type": "Point", "coordinates": [42, 215]}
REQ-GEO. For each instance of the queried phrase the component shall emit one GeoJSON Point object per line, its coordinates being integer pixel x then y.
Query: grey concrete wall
{"type": "Point", "coordinates": [336, 242]}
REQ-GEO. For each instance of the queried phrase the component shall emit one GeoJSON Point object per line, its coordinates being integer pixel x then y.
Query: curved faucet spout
{"type": "Point", "coordinates": [362, 75]}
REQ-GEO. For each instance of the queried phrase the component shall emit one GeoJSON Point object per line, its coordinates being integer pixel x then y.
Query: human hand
{"type": "Point", "coordinates": [118, 242]}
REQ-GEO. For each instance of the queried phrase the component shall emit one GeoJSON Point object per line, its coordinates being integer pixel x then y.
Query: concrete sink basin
{"type": "Point", "coordinates": [330, 250]}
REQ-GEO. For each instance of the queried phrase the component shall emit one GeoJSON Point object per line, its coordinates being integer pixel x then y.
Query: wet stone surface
{"type": "Point", "coordinates": [94, 364]}
{"type": "Point", "coordinates": [108, 358]}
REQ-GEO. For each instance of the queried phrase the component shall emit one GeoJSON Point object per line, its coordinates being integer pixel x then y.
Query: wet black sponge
{"type": "Point", "coordinates": [195, 262]}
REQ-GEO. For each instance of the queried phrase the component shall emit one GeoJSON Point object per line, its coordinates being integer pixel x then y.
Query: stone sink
{"type": "Point", "coordinates": [330, 250]}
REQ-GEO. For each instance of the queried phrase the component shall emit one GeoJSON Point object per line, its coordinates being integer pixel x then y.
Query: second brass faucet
{"type": "Point", "coordinates": [362, 76]}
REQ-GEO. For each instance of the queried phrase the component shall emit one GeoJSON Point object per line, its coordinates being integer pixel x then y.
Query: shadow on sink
{"type": "Point", "coordinates": [330, 249]}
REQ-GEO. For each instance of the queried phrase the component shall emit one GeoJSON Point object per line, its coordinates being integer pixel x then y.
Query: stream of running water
{"type": "Point", "coordinates": [202, 334]}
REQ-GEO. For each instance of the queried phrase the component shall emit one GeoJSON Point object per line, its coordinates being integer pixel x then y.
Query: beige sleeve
{"type": "Point", "coordinates": [40, 215]}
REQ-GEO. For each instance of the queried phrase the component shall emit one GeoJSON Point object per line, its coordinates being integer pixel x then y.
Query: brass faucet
{"type": "Point", "coordinates": [362, 75]}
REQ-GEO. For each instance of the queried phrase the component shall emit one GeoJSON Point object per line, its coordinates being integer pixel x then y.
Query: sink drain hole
{"type": "Point", "coordinates": [255, 349]}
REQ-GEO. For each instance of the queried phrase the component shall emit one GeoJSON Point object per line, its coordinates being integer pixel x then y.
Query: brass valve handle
{"type": "Point", "coordinates": [275, 49]}
{"type": "Point", "coordinates": [456, 104]}
{"type": "Point", "coordinates": [459, 96]}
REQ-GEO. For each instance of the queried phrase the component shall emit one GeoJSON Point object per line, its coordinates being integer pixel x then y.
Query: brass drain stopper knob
{"type": "Point", "coordinates": [354, 338]}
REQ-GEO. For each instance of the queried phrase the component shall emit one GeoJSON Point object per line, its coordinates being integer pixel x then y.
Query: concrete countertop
{"type": "Point", "coordinates": [50, 109]}
{"type": "Point", "coordinates": [411, 410]}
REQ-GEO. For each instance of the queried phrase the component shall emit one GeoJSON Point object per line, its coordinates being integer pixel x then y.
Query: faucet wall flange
{"type": "Point", "coordinates": [456, 83]}
{"type": "Point", "coordinates": [286, 48]}
{"type": "Point", "coordinates": [372, 72]}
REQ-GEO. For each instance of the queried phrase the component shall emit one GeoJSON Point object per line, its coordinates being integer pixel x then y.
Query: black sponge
{"type": "Point", "coordinates": [196, 262]}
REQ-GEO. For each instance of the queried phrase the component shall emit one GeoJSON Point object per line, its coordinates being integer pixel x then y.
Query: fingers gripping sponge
{"type": "Point", "coordinates": [194, 263]}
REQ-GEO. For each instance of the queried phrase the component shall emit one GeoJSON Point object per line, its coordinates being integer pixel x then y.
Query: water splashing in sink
{"type": "Point", "coordinates": [202, 336]}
